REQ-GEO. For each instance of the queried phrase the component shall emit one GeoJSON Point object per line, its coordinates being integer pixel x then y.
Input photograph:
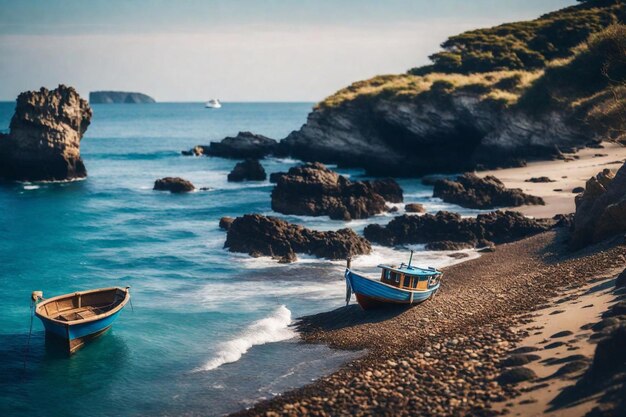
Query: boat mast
{"type": "Point", "coordinates": [410, 259]}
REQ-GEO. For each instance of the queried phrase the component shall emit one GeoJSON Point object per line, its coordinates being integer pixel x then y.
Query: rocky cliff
{"type": "Point", "coordinates": [489, 112]}
{"type": "Point", "coordinates": [108, 97]}
{"type": "Point", "coordinates": [43, 143]}
{"type": "Point", "coordinates": [437, 130]}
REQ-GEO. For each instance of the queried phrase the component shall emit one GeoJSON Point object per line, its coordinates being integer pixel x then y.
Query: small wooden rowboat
{"type": "Point", "coordinates": [399, 285]}
{"type": "Point", "coordinates": [81, 316]}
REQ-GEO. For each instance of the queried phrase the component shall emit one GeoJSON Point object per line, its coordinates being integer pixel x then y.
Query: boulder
{"type": "Point", "coordinates": [226, 222]}
{"type": "Point", "coordinates": [244, 145]}
{"type": "Point", "coordinates": [173, 185]}
{"type": "Point", "coordinates": [578, 190]}
{"type": "Point", "coordinates": [198, 150]}
{"type": "Point", "coordinates": [248, 170]}
{"type": "Point", "coordinates": [414, 208]}
{"type": "Point", "coordinates": [259, 235]}
{"type": "Point", "coordinates": [600, 209]}
{"type": "Point", "coordinates": [498, 227]}
{"type": "Point", "coordinates": [539, 179]}
{"type": "Point", "coordinates": [43, 143]}
{"type": "Point", "coordinates": [516, 375]}
{"type": "Point", "coordinates": [314, 190]}
{"type": "Point", "coordinates": [621, 279]}
{"type": "Point", "coordinates": [472, 191]}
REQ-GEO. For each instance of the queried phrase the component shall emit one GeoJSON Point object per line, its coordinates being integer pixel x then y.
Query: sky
{"type": "Point", "coordinates": [235, 50]}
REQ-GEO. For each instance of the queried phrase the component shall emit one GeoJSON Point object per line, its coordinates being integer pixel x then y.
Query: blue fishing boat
{"type": "Point", "coordinates": [399, 285]}
{"type": "Point", "coordinates": [81, 316]}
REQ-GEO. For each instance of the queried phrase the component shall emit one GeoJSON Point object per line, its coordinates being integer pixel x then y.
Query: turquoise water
{"type": "Point", "coordinates": [208, 333]}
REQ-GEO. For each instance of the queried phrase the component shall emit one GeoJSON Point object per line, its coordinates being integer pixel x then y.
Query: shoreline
{"type": "Point", "coordinates": [458, 336]}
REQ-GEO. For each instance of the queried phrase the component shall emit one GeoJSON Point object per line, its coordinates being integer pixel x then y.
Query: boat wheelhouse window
{"type": "Point", "coordinates": [387, 275]}
{"type": "Point", "coordinates": [415, 281]}
{"type": "Point", "coordinates": [407, 281]}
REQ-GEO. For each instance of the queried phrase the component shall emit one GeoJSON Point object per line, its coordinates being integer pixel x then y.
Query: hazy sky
{"type": "Point", "coordinates": [235, 50]}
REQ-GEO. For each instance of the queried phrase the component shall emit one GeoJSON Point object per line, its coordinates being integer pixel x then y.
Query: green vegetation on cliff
{"type": "Point", "coordinates": [528, 45]}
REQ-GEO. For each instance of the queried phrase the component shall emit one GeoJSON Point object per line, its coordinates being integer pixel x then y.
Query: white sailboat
{"type": "Point", "coordinates": [213, 104]}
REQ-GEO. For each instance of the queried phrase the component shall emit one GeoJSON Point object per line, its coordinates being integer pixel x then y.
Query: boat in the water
{"type": "Point", "coordinates": [81, 316]}
{"type": "Point", "coordinates": [213, 104]}
{"type": "Point", "coordinates": [397, 285]}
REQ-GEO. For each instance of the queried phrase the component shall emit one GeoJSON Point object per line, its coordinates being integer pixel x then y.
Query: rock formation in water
{"type": "Point", "coordinates": [259, 235]}
{"type": "Point", "coordinates": [248, 170]}
{"type": "Point", "coordinates": [442, 228]}
{"type": "Point", "coordinates": [43, 143]}
{"type": "Point", "coordinates": [314, 190]}
{"type": "Point", "coordinates": [108, 97]}
{"type": "Point", "coordinates": [600, 209]}
{"type": "Point", "coordinates": [470, 190]}
{"type": "Point", "coordinates": [244, 145]}
{"type": "Point", "coordinates": [173, 185]}
{"type": "Point", "coordinates": [414, 208]}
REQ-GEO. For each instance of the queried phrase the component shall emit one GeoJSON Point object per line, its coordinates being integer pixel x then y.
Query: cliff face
{"type": "Point", "coordinates": [108, 97]}
{"type": "Point", "coordinates": [44, 138]}
{"type": "Point", "coordinates": [441, 132]}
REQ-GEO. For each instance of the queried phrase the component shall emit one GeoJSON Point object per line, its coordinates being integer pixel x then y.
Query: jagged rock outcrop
{"type": "Point", "coordinates": [108, 97]}
{"type": "Point", "coordinates": [259, 235]}
{"type": "Point", "coordinates": [470, 190]}
{"type": "Point", "coordinates": [248, 170]}
{"type": "Point", "coordinates": [600, 209]}
{"type": "Point", "coordinates": [244, 145]}
{"type": "Point", "coordinates": [428, 134]}
{"type": "Point", "coordinates": [173, 185]}
{"type": "Point", "coordinates": [498, 227]}
{"type": "Point", "coordinates": [314, 190]}
{"type": "Point", "coordinates": [43, 143]}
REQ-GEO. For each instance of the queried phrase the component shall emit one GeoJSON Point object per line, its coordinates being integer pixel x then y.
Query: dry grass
{"type": "Point", "coordinates": [406, 86]}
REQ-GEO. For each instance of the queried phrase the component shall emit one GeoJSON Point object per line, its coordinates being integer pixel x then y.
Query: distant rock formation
{"type": "Point", "coordinates": [248, 170]}
{"type": "Point", "coordinates": [43, 143]}
{"type": "Point", "coordinates": [314, 190]}
{"type": "Point", "coordinates": [600, 209]}
{"type": "Point", "coordinates": [226, 222]}
{"type": "Point", "coordinates": [108, 97]}
{"type": "Point", "coordinates": [443, 228]}
{"type": "Point", "coordinates": [244, 145]}
{"type": "Point", "coordinates": [472, 191]}
{"type": "Point", "coordinates": [259, 235]}
{"type": "Point", "coordinates": [173, 185]}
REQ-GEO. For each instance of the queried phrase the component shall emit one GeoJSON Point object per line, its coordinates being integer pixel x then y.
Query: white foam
{"type": "Point", "coordinates": [268, 330]}
{"type": "Point", "coordinates": [31, 187]}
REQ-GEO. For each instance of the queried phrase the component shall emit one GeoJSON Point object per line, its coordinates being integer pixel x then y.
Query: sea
{"type": "Point", "coordinates": [209, 332]}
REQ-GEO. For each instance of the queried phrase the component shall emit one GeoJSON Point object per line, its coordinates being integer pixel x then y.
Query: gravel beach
{"type": "Point", "coordinates": [443, 357]}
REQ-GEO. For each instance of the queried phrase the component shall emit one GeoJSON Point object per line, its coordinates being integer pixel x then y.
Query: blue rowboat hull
{"type": "Point", "coordinates": [370, 293]}
{"type": "Point", "coordinates": [76, 335]}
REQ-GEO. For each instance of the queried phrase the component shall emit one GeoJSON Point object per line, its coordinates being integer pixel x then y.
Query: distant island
{"type": "Point", "coordinates": [108, 97]}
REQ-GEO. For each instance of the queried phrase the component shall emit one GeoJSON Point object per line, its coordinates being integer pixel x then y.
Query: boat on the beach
{"type": "Point", "coordinates": [213, 104]}
{"type": "Point", "coordinates": [80, 316]}
{"type": "Point", "coordinates": [397, 285]}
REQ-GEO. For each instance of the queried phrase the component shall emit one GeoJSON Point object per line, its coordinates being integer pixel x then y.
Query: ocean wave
{"type": "Point", "coordinates": [268, 330]}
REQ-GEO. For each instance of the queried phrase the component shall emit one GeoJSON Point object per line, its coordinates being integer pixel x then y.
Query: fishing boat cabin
{"type": "Point", "coordinates": [409, 277]}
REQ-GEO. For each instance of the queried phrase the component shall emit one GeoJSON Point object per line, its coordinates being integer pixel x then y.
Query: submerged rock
{"type": "Point", "coordinates": [600, 209]}
{"type": "Point", "coordinates": [173, 185]}
{"type": "Point", "coordinates": [244, 145]}
{"type": "Point", "coordinates": [44, 139]}
{"type": "Point", "coordinates": [498, 227]}
{"type": "Point", "coordinates": [314, 190]}
{"type": "Point", "coordinates": [472, 191]}
{"type": "Point", "coordinates": [248, 170]}
{"type": "Point", "coordinates": [259, 235]}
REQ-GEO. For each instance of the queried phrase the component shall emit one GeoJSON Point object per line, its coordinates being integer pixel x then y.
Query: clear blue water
{"type": "Point", "coordinates": [209, 332]}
